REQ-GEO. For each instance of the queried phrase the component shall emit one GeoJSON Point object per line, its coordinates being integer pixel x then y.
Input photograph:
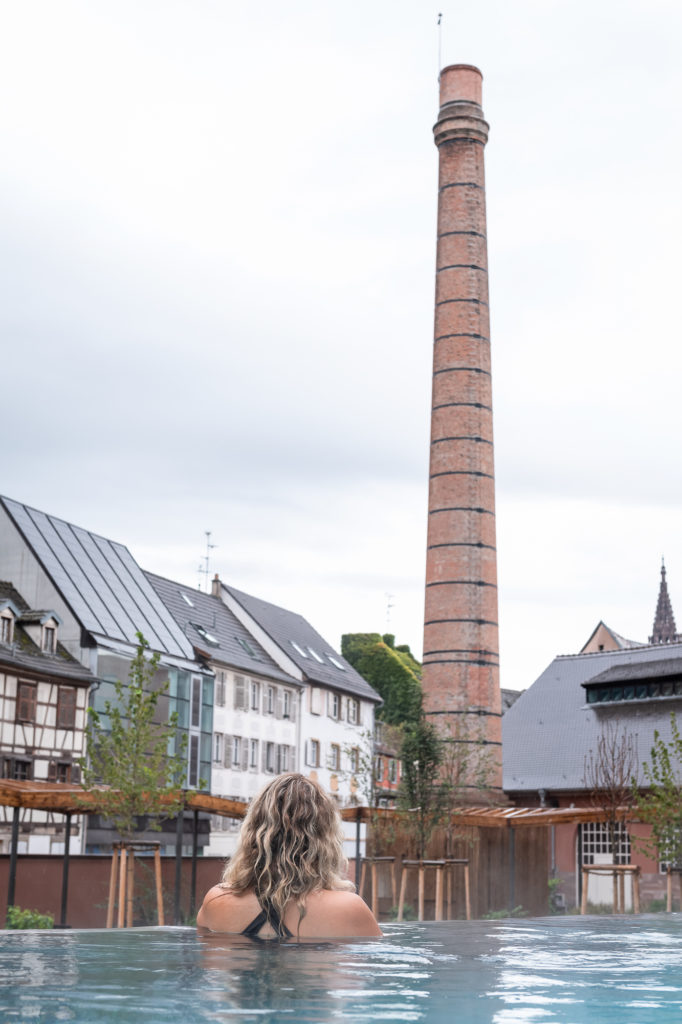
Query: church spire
{"type": "Point", "coordinates": [664, 631]}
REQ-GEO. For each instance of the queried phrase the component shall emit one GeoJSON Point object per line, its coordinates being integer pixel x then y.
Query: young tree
{"type": "Point", "coordinates": [659, 800]}
{"type": "Point", "coordinates": [366, 784]}
{"type": "Point", "coordinates": [421, 794]}
{"type": "Point", "coordinates": [129, 752]}
{"type": "Point", "coordinates": [466, 770]}
{"type": "Point", "coordinates": [609, 770]}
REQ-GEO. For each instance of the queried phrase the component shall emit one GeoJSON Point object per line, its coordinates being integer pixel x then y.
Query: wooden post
{"type": "Point", "coordinates": [112, 887]}
{"type": "Point", "coordinates": [448, 890]}
{"type": "Point", "coordinates": [583, 902]}
{"type": "Point", "coordinates": [122, 887]}
{"type": "Point", "coordinates": [420, 915]}
{"type": "Point", "coordinates": [130, 885]}
{"type": "Point", "coordinates": [393, 892]}
{"type": "Point", "coordinates": [622, 891]}
{"type": "Point", "coordinates": [375, 891]}
{"type": "Point", "coordinates": [159, 890]}
{"type": "Point", "coordinates": [669, 880]}
{"type": "Point", "coordinates": [439, 892]}
{"type": "Point", "coordinates": [614, 878]}
{"type": "Point", "coordinates": [363, 874]}
{"type": "Point", "coordinates": [403, 886]}
{"type": "Point", "coordinates": [635, 891]}
{"type": "Point", "coordinates": [467, 892]}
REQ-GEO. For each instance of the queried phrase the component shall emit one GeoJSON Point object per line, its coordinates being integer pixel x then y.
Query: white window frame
{"type": "Point", "coordinates": [220, 689]}
{"type": "Point", "coordinates": [6, 627]}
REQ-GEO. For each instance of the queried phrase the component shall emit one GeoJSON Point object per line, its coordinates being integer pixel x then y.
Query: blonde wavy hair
{"type": "Point", "coordinates": [291, 844]}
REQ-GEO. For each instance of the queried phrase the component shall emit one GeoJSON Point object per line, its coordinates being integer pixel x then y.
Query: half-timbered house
{"type": "Point", "coordinates": [43, 707]}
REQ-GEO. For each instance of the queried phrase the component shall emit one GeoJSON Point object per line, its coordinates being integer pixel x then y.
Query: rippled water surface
{"type": "Point", "coordinates": [545, 971]}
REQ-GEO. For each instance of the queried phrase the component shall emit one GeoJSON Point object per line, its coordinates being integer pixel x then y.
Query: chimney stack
{"type": "Point", "coordinates": [461, 661]}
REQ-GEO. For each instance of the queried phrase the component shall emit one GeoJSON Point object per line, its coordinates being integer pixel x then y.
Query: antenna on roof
{"type": "Point", "coordinates": [440, 18]}
{"type": "Point", "coordinates": [203, 569]}
{"type": "Point", "coordinates": [389, 605]}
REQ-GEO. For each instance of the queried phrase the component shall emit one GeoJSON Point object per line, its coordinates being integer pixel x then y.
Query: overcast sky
{"type": "Point", "coordinates": [216, 296]}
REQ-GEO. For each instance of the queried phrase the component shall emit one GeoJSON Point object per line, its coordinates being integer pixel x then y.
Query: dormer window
{"type": "Point", "coordinates": [6, 627]}
{"type": "Point", "coordinates": [49, 638]}
{"type": "Point", "coordinates": [8, 616]}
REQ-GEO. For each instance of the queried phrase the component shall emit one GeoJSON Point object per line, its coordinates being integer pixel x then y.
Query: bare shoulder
{"type": "Point", "coordinates": [218, 909]}
{"type": "Point", "coordinates": [341, 913]}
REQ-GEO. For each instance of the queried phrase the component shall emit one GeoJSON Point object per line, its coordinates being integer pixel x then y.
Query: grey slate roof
{"type": "Point", "coordinates": [219, 622]}
{"type": "Point", "coordinates": [549, 730]}
{"type": "Point", "coordinates": [23, 654]}
{"type": "Point", "coordinates": [287, 628]}
{"type": "Point", "coordinates": [100, 581]}
{"type": "Point", "coordinates": [509, 697]}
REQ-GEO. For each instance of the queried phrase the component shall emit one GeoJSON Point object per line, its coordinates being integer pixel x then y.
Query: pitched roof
{"type": "Point", "coordinates": [296, 638]}
{"type": "Point", "coordinates": [550, 730]}
{"type": "Point", "coordinates": [100, 581]}
{"type": "Point", "coordinates": [24, 655]}
{"type": "Point", "coordinates": [214, 630]}
{"type": "Point", "coordinates": [611, 640]}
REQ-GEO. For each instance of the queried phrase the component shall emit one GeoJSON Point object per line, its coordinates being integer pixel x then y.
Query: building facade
{"type": "Point", "coordinates": [43, 708]}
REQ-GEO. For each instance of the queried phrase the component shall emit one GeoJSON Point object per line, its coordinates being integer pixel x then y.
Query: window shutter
{"type": "Point", "coordinates": [52, 772]}
{"type": "Point", "coordinates": [358, 713]}
{"type": "Point", "coordinates": [227, 750]}
{"type": "Point", "coordinates": [264, 700]}
{"type": "Point", "coordinates": [293, 701]}
{"type": "Point", "coordinates": [279, 703]}
{"type": "Point", "coordinates": [342, 704]}
{"type": "Point", "coordinates": [239, 683]}
{"type": "Point", "coordinates": [307, 752]}
{"type": "Point", "coordinates": [264, 757]}
{"type": "Point", "coordinates": [292, 759]}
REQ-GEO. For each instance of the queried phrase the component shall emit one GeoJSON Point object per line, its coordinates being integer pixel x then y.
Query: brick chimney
{"type": "Point", "coordinates": [461, 662]}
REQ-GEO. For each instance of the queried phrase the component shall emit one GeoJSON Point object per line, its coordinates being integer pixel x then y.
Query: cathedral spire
{"type": "Point", "coordinates": [664, 631]}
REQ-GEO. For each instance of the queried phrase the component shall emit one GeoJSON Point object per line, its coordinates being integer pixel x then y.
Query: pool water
{"type": "Point", "coordinates": [604, 970]}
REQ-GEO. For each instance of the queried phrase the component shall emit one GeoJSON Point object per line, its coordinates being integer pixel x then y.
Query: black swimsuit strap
{"type": "Point", "coordinates": [272, 918]}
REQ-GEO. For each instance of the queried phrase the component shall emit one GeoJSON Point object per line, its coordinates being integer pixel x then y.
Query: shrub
{"type": "Point", "coordinates": [18, 918]}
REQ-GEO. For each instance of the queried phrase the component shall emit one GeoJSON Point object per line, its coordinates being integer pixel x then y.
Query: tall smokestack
{"type": "Point", "coordinates": [461, 660]}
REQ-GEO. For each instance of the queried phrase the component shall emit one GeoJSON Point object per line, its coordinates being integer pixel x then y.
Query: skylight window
{"type": "Point", "coordinates": [247, 647]}
{"type": "Point", "coordinates": [185, 598]}
{"type": "Point", "coordinates": [298, 648]}
{"type": "Point", "coordinates": [336, 662]}
{"type": "Point", "coordinates": [316, 656]}
{"type": "Point", "coordinates": [205, 635]}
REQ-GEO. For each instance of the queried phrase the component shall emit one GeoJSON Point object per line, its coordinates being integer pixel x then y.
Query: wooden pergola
{"type": "Point", "coordinates": [69, 799]}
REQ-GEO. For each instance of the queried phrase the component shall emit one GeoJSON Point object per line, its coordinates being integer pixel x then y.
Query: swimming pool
{"type": "Point", "coordinates": [544, 971]}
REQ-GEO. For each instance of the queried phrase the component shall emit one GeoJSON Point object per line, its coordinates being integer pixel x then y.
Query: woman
{"type": "Point", "coordinates": [286, 877]}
